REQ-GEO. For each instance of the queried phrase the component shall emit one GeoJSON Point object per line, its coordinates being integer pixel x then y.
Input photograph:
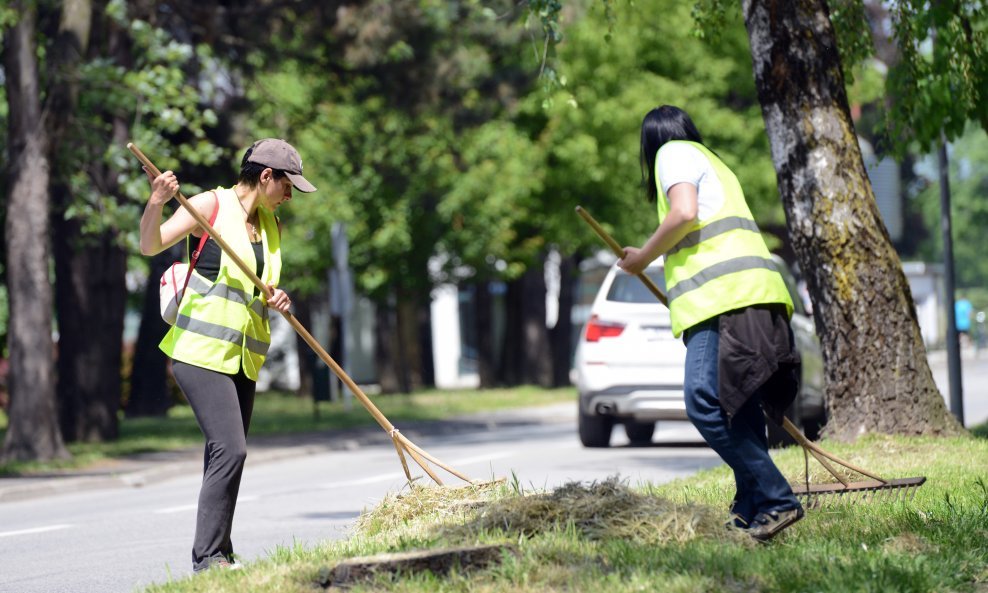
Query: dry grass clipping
{"type": "Point", "coordinates": [599, 511]}
{"type": "Point", "coordinates": [427, 504]}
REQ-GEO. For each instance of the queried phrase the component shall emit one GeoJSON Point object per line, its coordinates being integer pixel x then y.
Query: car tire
{"type": "Point", "coordinates": [595, 431]}
{"type": "Point", "coordinates": [639, 433]}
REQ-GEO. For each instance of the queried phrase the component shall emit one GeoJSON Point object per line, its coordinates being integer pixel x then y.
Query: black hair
{"type": "Point", "coordinates": [250, 173]}
{"type": "Point", "coordinates": [662, 125]}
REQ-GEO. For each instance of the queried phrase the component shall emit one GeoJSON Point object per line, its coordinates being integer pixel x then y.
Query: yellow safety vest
{"type": "Point", "coordinates": [221, 325]}
{"type": "Point", "coordinates": [722, 264]}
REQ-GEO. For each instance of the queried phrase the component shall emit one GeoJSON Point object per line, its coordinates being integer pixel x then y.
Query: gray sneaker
{"type": "Point", "coordinates": [765, 526]}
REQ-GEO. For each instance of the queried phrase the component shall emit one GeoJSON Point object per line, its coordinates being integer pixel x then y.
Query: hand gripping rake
{"type": "Point", "coordinates": [401, 442]}
{"type": "Point", "coordinates": [811, 495]}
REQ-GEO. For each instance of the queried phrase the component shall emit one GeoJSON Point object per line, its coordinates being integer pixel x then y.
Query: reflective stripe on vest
{"type": "Point", "coordinates": [722, 264]}
{"type": "Point", "coordinates": [713, 229]}
{"type": "Point", "coordinates": [738, 264]}
{"type": "Point", "coordinates": [221, 333]}
{"type": "Point", "coordinates": [224, 291]}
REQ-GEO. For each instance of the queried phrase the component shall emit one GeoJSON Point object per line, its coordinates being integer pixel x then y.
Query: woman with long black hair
{"type": "Point", "coordinates": [730, 303]}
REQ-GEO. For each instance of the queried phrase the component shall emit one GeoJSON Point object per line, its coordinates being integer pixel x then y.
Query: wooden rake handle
{"type": "Point", "coordinates": [619, 252]}
{"type": "Point", "coordinates": [401, 442]}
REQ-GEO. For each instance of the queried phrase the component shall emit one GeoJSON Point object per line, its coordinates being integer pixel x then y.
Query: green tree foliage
{"type": "Point", "coordinates": [591, 132]}
{"type": "Point", "coordinates": [386, 114]}
{"type": "Point", "coordinates": [493, 210]}
{"type": "Point", "coordinates": [941, 80]}
{"type": "Point", "coordinates": [938, 77]}
{"type": "Point", "coordinates": [968, 158]}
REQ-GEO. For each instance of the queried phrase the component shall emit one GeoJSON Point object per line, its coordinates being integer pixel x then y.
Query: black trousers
{"type": "Point", "coordinates": [222, 405]}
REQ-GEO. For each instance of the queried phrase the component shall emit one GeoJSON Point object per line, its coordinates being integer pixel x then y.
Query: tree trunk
{"type": "Point", "coordinates": [409, 345]}
{"type": "Point", "coordinates": [149, 393]}
{"type": "Point", "coordinates": [486, 363]}
{"type": "Point", "coordinates": [423, 335]}
{"type": "Point", "coordinates": [877, 376]}
{"type": "Point", "coordinates": [510, 363]}
{"type": "Point", "coordinates": [526, 357]}
{"type": "Point", "coordinates": [385, 348]}
{"type": "Point", "coordinates": [32, 432]}
{"type": "Point", "coordinates": [90, 298]}
{"type": "Point", "coordinates": [90, 291]}
{"type": "Point", "coordinates": [537, 357]}
{"type": "Point", "coordinates": [561, 336]}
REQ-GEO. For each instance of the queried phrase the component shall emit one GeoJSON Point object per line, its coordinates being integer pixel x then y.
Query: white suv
{"type": "Point", "coordinates": [629, 368]}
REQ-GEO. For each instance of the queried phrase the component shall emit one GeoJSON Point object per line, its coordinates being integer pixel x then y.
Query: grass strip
{"type": "Point", "coordinates": [615, 536]}
{"type": "Point", "coordinates": [277, 413]}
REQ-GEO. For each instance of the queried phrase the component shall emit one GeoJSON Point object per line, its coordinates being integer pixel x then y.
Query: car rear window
{"type": "Point", "coordinates": [629, 289]}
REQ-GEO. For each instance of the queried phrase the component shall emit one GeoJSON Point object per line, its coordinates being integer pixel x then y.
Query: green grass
{"type": "Point", "coordinates": [279, 413]}
{"type": "Point", "coordinates": [669, 538]}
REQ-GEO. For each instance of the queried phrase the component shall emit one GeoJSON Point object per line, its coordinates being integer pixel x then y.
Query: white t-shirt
{"type": "Point", "coordinates": [677, 162]}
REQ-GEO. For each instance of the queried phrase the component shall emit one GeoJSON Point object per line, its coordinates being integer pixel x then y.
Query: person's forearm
{"type": "Point", "coordinates": [151, 229]}
{"type": "Point", "coordinates": [674, 227]}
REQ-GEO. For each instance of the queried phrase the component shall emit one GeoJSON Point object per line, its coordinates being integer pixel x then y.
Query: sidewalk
{"type": "Point", "coordinates": [148, 468]}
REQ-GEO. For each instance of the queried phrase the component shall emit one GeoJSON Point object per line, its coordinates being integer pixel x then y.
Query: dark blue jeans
{"type": "Point", "coordinates": [740, 441]}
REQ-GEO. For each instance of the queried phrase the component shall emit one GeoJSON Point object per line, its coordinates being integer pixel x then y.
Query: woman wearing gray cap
{"type": "Point", "coordinates": [221, 335]}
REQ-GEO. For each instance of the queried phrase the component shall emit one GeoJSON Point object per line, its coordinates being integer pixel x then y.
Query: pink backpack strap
{"type": "Point", "coordinates": [194, 258]}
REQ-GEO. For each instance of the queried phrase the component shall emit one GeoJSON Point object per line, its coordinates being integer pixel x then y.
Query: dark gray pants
{"type": "Point", "coordinates": [222, 405]}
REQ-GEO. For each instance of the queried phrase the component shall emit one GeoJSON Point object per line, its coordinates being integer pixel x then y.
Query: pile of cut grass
{"type": "Point", "coordinates": [598, 511]}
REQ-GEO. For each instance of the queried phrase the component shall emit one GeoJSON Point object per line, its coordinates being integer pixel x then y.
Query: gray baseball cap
{"type": "Point", "coordinates": [282, 156]}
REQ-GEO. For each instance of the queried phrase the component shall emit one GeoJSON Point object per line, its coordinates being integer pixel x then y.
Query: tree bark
{"type": "Point", "coordinates": [561, 336]}
{"type": "Point", "coordinates": [409, 346]}
{"type": "Point", "coordinates": [386, 347]}
{"type": "Point", "coordinates": [91, 298]}
{"type": "Point", "coordinates": [423, 336]}
{"type": "Point", "coordinates": [486, 362]}
{"type": "Point", "coordinates": [32, 432]}
{"type": "Point", "coordinates": [90, 269]}
{"type": "Point", "coordinates": [149, 393]}
{"type": "Point", "coordinates": [877, 377]}
{"type": "Point", "coordinates": [526, 357]}
{"type": "Point", "coordinates": [510, 361]}
{"type": "Point", "coordinates": [537, 357]}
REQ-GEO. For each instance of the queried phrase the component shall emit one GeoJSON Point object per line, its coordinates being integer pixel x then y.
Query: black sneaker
{"type": "Point", "coordinates": [767, 525]}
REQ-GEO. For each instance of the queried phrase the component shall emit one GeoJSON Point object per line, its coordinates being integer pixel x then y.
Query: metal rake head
{"type": "Point", "coordinates": [818, 495]}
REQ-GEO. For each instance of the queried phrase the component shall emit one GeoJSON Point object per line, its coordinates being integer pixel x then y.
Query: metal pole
{"type": "Point", "coordinates": [953, 344]}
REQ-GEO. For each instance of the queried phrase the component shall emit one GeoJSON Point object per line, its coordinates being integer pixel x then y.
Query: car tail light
{"type": "Point", "coordinates": [597, 329]}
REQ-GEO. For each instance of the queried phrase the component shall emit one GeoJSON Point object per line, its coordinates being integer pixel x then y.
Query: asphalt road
{"type": "Point", "coordinates": [118, 539]}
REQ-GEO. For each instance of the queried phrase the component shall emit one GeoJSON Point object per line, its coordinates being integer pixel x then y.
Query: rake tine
{"type": "Point", "coordinates": [424, 465]}
{"type": "Point", "coordinates": [401, 456]}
